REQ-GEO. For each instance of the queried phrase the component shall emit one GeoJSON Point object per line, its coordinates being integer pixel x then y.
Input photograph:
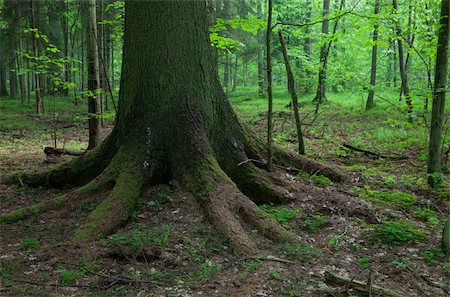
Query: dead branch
{"type": "Point", "coordinates": [376, 155]}
{"type": "Point", "coordinates": [60, 151]}
{"type": "Point", "coordinates": [338, 280]}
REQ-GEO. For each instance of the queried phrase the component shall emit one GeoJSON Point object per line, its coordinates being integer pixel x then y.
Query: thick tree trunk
{"type": "Point", "coordinates": [174, 123]}
{"type": "Point", "coordinates": [94, 104]}
{"type": "Point", "coordinates": [373, 71]}
{"type": "Point", "coordinates": [440, 86]}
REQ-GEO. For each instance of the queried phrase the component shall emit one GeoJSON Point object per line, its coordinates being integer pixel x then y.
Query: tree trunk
{"type": "Point", "coordinates": [321, 85]}
{"type": "Point", "coordinates": [37, 80]}
{"type": "Point", "coordinates": [174, 123]}
{"type": "Point", "coordinates": [3, 90]}
{"type": "Point", "coordinates": [93, 76]}
{"type": "Point", "coordinates": [235, 73]}
{"type": "Point", "coordinates": [401, 60]}
{"type": "Point", "coordinates": [269, 87]}
{"type": "Point", "coordinates": [440, 86]}
{"type": "Point", "coordinates": [373, 72]}
{"type": "Point", "coordinates": [292, 91]}
{"type": "Point", "coordinates": [261, 88]}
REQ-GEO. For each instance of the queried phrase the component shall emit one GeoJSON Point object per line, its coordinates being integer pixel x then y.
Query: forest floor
{"type": "Point", "coordinates": [382, 226]}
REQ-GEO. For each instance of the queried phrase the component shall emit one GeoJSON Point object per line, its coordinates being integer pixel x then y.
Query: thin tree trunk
{"type": "Point", "coordinates": [261, 90]}
{"type": "Point", "coordinates": [235, 74]}
{"type": "Point", "coordinates": [226, 72]}
{"type": "Point", "coordinates": [101, 49]}
{"type": "Point", "coordinates": [320, 94]}
{"type": "Point", "coordinates": [93, 76]}
{"type": "Point", "coordinates": [3, 90]}
{"type": "Point", "coordinates": [373, 72]}
{"type": "Point", "coordinates": [37, 84]}
{"type": "Point", "coordinates": [291, 87]}
{"type": "Point", "coordinates": [269, 88]}
{"type": "Point", "coordinates": [401, 60]}
{"type": "Point", "coordinates": [440, 86]}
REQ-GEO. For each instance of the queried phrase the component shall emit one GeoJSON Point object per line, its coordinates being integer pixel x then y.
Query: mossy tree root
{"type": "Point", "coordinates": [259, 185]}
{"type": "Point", "coordinates": [100, 184]}
{"type": "Point", "coordinates": [116, 209]}
{"type": "Point", "coordinates": [227, 208]}
{"type": "Point", "coordinates": [75, 173]}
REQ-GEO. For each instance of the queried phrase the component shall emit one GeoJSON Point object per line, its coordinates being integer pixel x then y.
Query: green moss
{"type": "Point", "coordinates": [85, 233]}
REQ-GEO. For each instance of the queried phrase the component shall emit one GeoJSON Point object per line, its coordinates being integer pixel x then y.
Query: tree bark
{"type": "Point", "coordinates": [440, 86]}
{"type": "Point", "coordinates": [269, 87]}
{"type": "Point", "coordinates": [373, 72]}
{"type": "Point", "coordinates": [93, 76]}
{"type": "Point", "coordinates": [401, 60]}
{"type": "Point", "coordinates": [3, 90]}
{"type": "Point", "coordinates": [321, 85]}
{"type": "Point", "coordinates": [37, 79]}
{"type": "Point", "coordinates": [261, 88]}
{"type": "Point", "coordinates": [292, 91]}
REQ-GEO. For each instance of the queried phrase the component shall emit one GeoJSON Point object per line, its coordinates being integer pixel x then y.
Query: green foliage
{"type": "Point", "coordinates": [282, 215]}
{"type": "Point", "coordinates": [68, 277]}
{"type": "Point", "coordinates": [427, 215]}
{"type": "Point", "coordinates": [313, 223]}
{"type": "Point", "coordinates": [137, 237]}
{"type": "Point", "coordinates": [364, 262]}
{"type": "Point", "coordinates": [433, 256]}
{"type": "Point", "coordinates": [29, 243]}
{"type": "Point", "coordinates": [252, 264]}
{"type": "Point", "coordinates": [397, 232]}
{"type": "Point", "coordinates": [321, 180]}
{"type": "Point", "coordinates": [398, 198]}
{"type": "Point", "coordinates": [300, 252]}
{"type": "Point", "coordinates": [207, 270]}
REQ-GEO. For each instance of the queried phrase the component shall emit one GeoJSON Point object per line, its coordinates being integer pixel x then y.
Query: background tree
{"type": "Point", "coordinates": [440, 87]}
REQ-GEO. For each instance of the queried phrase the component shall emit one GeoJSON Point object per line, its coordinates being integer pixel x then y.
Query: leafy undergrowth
{"type": "Point", "coordinates": [383, 220]}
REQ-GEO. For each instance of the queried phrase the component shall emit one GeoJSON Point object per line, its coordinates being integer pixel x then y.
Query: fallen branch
{"type": "Point", "coordinates": [338, 280]}
{"type": "Point", "coordinates": [376, 155]}
{"type": "Point", "coordinates": [60, 151]}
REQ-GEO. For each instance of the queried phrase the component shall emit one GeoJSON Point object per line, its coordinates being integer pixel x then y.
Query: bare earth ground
{"type": "Point", "coordinates": [169, 249]}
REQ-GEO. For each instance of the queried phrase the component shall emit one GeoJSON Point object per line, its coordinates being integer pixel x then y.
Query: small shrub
{"type": "Point", "coordinates": [321, 180]}
{"type": "Point", "coordinates": [364, 262]}
{"type": "Point", "coordinates": [397, 232]}
{"type": "Point", "coordinates": [427, 215]}
{"type": "Point", "coordinates": [69, 277]}
{"type": "Point", "coordinates": [29, 243]}
{"type": "Point", "coordinates": [302, 252]}
{"type": "Point", "coordinates": [282, 215]}
{"type": "Point", "coordinates": [313, 223]}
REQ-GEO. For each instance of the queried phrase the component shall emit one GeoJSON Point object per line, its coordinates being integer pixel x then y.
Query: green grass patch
{"type": "Point", "coordinates": [385, 198]}
{"type": "Point", "coordinates": [281, 214]}
{"type": "Point", "coordinates": [397, 232]}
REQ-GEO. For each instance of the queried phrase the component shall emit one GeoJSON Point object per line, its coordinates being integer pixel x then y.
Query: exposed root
{"type": "Point", "coordinates": [78, 172]}
{"type": "Point", "coordinates": [256, 149]}
{"type": "Point", "coordinates": [298, 162]}
{"type": "Point", "coordinates": [99, 185]}
{"type": "Point", "coordinates": [259, 186]}
{"type": "Point", "coordinates": [227, 208]}
{"type": "Point", "coordinates": [113, 212]}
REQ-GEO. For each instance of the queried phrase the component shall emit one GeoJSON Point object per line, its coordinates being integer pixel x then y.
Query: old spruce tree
{"type": "Point", "coordinates": [174, 123]}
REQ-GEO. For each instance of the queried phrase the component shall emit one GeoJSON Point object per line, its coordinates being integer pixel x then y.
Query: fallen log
{"type": "Point", "coordinates": [60, 151]}
{"type": "Point", "coordinates": [339, 281]}
{"type": "Point", "coordinates": [376, 155]}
